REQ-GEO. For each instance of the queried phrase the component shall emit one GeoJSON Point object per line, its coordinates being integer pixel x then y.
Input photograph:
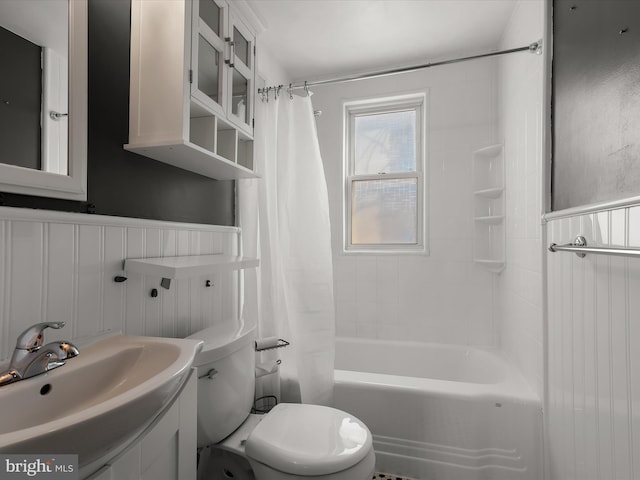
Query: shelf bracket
{"type": "Point", "coordinates": [165, 283]}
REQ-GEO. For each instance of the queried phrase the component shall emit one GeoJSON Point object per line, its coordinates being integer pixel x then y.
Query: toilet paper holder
{"type": "Point", "coordinates": [269, 343]}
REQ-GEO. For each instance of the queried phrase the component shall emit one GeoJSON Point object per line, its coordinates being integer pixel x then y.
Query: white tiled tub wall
{"type": "Point", "coordinates": [519, 302]}
{"type": "Point", "coordinates": [593, 413]}
{"type": "Point", "coordinates": [442, 297]}
{"type": "Point", "coordinates": [60, 267]}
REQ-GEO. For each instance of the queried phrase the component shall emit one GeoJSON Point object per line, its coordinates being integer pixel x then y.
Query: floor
{"type": "Point", "coordinates": [388, 476]}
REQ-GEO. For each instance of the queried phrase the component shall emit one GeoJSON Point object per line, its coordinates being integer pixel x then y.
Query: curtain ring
{"type": "Point", "coordinates": [290, 90]}
{"type": "Point", "coordinates": [306, 88]}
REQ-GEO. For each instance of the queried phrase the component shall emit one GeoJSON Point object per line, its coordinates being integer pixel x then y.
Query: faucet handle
{"type": "Point", "coordinates": [32, 338]}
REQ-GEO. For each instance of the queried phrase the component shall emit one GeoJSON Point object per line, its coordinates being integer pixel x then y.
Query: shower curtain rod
{"type": "Point", "coordinates": [535, 47]}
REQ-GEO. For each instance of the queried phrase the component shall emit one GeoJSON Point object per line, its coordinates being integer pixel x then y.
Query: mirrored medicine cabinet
{"type": "Point", "coordinates": [43, 98]}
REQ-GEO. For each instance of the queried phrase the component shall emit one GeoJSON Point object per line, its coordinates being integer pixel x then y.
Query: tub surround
{"type": "Point", "coordinates": [519, 305]}
{"type": "Point", "coordinates": [443, 296]}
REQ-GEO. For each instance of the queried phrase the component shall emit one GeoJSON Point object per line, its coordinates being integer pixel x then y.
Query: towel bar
{"type": "Point", "coordinates": [580, 248]}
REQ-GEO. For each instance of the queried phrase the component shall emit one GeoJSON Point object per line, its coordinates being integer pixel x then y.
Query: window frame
{"type": "Point", "coordinates": [417, 102]}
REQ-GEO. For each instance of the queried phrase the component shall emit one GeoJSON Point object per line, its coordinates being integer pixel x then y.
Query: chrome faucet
{"type": "Point", "coordinates": [31, 357]}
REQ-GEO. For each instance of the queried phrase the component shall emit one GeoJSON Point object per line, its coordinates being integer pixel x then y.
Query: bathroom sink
{"type": "Point", "coordinates": [97, 402]}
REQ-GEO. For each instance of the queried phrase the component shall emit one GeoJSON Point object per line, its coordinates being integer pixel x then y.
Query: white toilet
{"type": "Point", "coordinates": [292, 441]}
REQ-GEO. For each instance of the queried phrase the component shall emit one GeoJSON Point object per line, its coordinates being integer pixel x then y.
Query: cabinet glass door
{"type": "Point", "coordinates": [208, 81]}
{"type": "Point", "coordinates": [241, 47]}
{"type": "Point", "coordinates": [242, 74]}
{"type": "Point", "coordinates": [207, 56]}
{"type": "Point", "coordinates": [240, 96]}
{"type": "Point", "coordinates": [212, 15]}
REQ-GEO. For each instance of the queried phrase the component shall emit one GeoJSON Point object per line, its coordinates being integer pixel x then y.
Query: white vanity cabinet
{"type": "Point", "coordinates": [192, 86]}
{"type": "Point", "coordinates": [167, 450]}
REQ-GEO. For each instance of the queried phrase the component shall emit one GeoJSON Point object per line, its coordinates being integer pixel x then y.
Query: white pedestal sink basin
{"type": "Point", "coordinates": [96, 403]}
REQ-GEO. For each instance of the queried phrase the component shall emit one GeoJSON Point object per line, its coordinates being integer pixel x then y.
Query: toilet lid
{"type": "Point", "coordinates": [308, 440]}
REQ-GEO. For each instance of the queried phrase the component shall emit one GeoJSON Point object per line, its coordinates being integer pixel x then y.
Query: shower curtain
{"type": "Point", "coordinates": [284, 216]}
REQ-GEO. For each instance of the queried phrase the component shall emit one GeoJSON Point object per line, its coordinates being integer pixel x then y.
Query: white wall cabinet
{"type": "Point", "coordinates": [489, 210]}
{"type": "Point", "coordinates": [192, 86]}
{"type": "Point", "coordinates": [167, 451]}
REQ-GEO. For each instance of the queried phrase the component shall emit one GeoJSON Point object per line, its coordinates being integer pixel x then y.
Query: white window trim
{"type": "Point", "coordinates": [418, 101]}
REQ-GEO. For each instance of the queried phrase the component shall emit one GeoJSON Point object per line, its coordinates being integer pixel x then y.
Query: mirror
{"type": "Point", "coordinates": [43, 98]}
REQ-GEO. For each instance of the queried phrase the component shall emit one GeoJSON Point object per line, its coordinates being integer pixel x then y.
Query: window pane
{"type": "Point", "coordinates": [210, 13]}
{"type": "Point", "coordinates": [384, 211]}
{"type": "Point", "coordinates": [385, 142]}
{"type": "Point", "coordinates": [208, 69]}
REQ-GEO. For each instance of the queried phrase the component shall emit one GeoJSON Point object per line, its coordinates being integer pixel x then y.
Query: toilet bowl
{"type": "Point", "coordinates": [292, 441]}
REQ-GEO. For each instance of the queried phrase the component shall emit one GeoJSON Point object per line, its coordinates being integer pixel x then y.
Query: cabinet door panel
{"type": "Point", "coordinates": [240, 96]}
{"type": "Point", "coordinates": [208, 81]}
{"type": "Point", "coordinates": [212, 14]}
{"type": "Point", "coordinates": [208, 54]}
{"type": "Point", "coordinates": [241, 47]}
{"type": "Point", "coordinates": [241, 75]}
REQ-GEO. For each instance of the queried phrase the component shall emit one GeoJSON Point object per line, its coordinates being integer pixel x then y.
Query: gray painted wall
{"type": "Point", "coordinates": [121, 183]}
{"type": "Point", "coordinates": [596, 101]}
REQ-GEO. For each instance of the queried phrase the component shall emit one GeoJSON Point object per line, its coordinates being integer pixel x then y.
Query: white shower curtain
{"type": "Point", "coordinates": [284, 217]}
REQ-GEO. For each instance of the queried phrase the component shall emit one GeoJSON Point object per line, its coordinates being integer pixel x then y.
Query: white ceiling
{"type": "Point", "coordinates": [43, 22]}
{"type": "Point", "coordinates": [315, 39]}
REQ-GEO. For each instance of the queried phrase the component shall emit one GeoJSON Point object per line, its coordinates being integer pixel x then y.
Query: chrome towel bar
{"type": "Point", "coordinates": [579, 247]}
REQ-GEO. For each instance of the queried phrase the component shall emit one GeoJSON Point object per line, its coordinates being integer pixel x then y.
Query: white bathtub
{"type": "Point", "coordinates": [441, 412]}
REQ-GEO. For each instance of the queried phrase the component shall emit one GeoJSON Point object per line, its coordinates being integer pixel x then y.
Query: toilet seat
{"type": "Point", "coordinates": [308, 440]}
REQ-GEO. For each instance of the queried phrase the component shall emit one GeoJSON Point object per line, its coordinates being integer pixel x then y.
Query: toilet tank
{"type": "Point", "coordinates": [226, 380]}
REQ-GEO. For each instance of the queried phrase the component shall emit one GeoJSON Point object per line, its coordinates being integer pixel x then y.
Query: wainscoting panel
{"type": "Point", "coordinates": [593, 414]}
{"type": "Point", "coordinates": [61, 266]}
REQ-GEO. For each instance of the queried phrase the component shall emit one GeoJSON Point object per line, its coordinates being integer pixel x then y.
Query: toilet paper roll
{"type": "Point", "coordinates": [266, 342]}
{"type": "Point", "coordinates": [265, 368]}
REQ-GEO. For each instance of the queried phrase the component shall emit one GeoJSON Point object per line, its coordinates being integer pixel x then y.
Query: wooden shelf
{"type": "Point", "coordinates": [187, 266]}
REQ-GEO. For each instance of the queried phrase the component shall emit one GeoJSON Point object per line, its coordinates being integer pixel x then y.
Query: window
{"type": "Point", "coordinates": [384, 175]}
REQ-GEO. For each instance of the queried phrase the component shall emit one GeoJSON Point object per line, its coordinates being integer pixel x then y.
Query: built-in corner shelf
{"type": "Point", "coordinates": [489, 208]}
{"type": "Point", "coordinates": [490, 219]}
{"type": "Point", "coordinates": [492, 151]}
{"type": "Point", "coordinates": [491, 265]}
{"type": "Point", "coordinates": [174, 268]}
{"type": "Point", "coordinates": [495, 192]}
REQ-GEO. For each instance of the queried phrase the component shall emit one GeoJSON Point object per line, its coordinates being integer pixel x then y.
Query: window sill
{"type": "Point", "coordinates": [385, 251]}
